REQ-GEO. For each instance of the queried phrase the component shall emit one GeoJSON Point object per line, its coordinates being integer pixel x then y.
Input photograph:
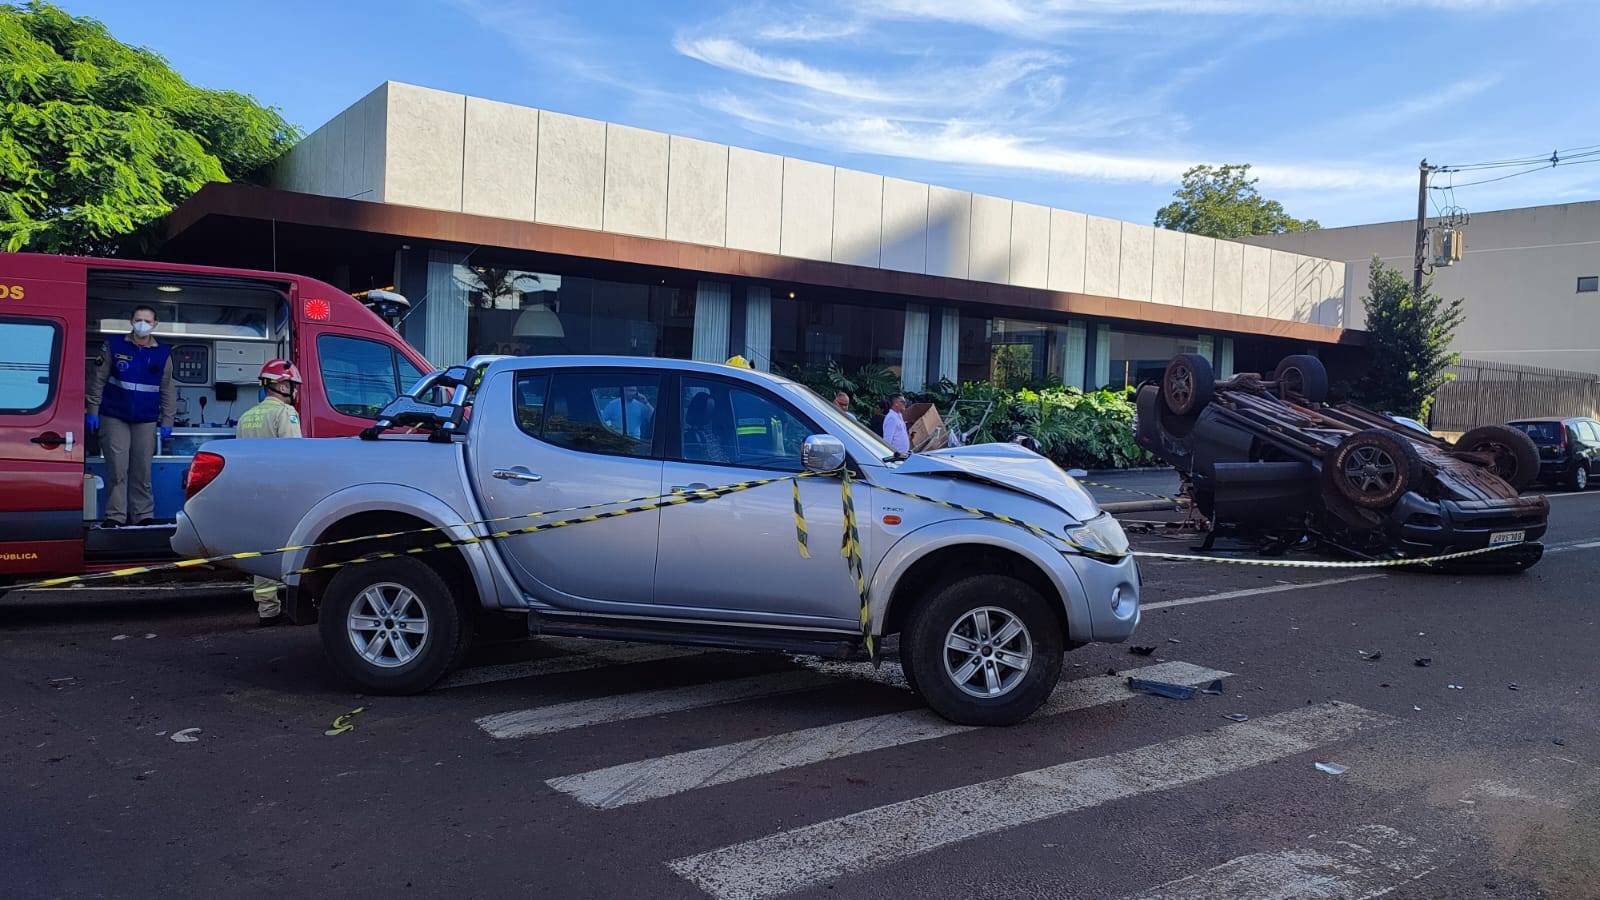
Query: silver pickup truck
{"type": "Point", "coordinates": [984, 607]}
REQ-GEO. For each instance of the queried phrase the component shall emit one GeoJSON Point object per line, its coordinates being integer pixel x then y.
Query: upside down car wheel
{"type": "Point", "coordinates": [1373, 468]}
{"type": "Point", "coordinates": [1515, 455]}
{"type": "Point", "coordinates": [1187, 384]}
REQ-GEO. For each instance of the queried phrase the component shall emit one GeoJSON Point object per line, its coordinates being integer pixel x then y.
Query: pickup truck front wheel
{"type": "Point", "coordinates": [984, 650]}
{"type": "Point", "coordinates": [392, 627]}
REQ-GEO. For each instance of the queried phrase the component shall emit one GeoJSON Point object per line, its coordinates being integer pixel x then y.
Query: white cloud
{"type": "Point", "coordinates": [1383, 118]}
{"type": "Point", "coordinates": [1047, 16]}
{"type": "Point", "coordinates": [969, 144]}
{"type": "Point", "coordinates": [809, 28]}
{"type": "Point", "coordinates": [726, 53]}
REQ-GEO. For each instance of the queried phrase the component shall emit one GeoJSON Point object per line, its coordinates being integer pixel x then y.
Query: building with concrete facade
{"type": "Point", "coordinates": [528, 231]}
{"type": "Point", "coordinates": [1530, 278]}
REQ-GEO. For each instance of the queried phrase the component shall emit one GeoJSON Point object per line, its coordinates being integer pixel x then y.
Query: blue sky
{"type": "Point", "coordinates": [1094, 105]}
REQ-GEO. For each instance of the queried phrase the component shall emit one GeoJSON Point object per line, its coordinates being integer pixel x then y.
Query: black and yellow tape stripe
{"type": "Point", "coordinates": [800, 535]}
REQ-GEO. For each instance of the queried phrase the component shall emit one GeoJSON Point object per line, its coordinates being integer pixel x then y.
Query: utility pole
{"type": "Point", "coordinates": [1423, 170]}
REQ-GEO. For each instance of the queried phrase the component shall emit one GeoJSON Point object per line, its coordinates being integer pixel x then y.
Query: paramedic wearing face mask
{"type": "Point", "coordinates": [131, 397]}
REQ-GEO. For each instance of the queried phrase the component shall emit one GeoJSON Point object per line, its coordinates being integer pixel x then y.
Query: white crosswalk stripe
{"type": "Point", "coordinates": [873, 838]}
{"type": "Point", "coordinates": [620, 707]}
{"type": "Point", "coordinates": [589, 658]}
{"type": "Point", "coordinates": [1370, 861]}
{"type": "Point", "coordinates": [667, 775]}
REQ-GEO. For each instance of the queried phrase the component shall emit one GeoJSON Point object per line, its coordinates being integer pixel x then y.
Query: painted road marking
{"type": "Point", "coordinates": [1254, 592]}
{"type": "Point", "coordinates": [589, 658]}
{"type": "Point", "coordinates": [638, 705]}
{"type": "Point", "coordinates": [1371, 861]}
{"type": "Point", "coordinates": [664, 776]}
{"type": "Point", "coordinates": [874, 838]}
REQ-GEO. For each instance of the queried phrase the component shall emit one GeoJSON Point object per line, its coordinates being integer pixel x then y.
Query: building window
{"type": "Point", "coordinates": [1137, 358]}
{"type": "Point", "coordinates": [517, 312]}
{"type": "Point", "coordinates": [812, 331]}
{"type": "Point", "coordinates": [1588, 284]}
{"type": "Point", "coordinates": [1012, 352]}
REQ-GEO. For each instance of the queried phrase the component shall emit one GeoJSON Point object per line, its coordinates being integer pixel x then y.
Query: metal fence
{"type": "Point", "coordinates": [1484, 393]}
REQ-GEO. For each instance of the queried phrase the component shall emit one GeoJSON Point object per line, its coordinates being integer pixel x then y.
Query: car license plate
{"type": "Point", "coordinates": [1500, 538]}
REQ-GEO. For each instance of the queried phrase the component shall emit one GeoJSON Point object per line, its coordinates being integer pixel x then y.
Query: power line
{"type": "Point", "coordinates": [1526, 171]}
{"type": "Point", "coordinates": [1519, 161]}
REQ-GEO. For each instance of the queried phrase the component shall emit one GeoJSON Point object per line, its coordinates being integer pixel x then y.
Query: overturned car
{"type": "Point", "coordinates": [1270, 458]}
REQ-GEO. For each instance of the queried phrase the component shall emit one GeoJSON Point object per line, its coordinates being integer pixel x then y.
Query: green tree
{"type": "Point", "coordinates": [1222, 202]}
{"type": "Point", "coordinates": [1408, 344]}
{"type": "Point", "coordinates": [99, 139]}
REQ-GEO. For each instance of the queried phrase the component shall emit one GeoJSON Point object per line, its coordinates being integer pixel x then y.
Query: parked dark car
{"type": "Point", "coordinates": [1569, 449]}
{"type": "Point", "coordinates": [1267, 456]}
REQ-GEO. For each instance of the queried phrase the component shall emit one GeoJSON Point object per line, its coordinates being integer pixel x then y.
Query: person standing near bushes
{"type": "Point", "coordinates": [894, 425]}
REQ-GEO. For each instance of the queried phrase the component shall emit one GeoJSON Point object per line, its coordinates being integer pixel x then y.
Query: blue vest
{"type": "Point", "coordinates": [133, 387]}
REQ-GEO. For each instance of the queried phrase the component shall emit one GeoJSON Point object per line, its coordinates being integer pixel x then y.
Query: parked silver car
{"type": "Point", "coordinates": [984, 608]}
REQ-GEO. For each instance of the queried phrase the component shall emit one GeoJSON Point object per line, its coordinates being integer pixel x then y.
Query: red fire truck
{"type": "Point", "coordinates": [221, 325]}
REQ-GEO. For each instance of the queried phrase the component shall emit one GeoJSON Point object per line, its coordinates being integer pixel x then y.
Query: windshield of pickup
{"type": "Point", "coordinates": [838, 421]}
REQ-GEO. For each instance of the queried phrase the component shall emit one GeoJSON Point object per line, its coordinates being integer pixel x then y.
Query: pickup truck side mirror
{"type": "Point", "coordinates": [822, 453]}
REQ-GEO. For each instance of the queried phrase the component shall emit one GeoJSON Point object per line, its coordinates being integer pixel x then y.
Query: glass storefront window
{"type": "Point", "coordinates": [523, 313]}
{"type": "Point", "coordinates": [1136, 358]}
{"type": "Point", "coordinates": [812, 331]}
{"type": "Point", "coordinates": [1011, 351]}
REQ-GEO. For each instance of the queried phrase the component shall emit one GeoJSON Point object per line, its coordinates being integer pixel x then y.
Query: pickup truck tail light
{"type": "Point", "coordinates": [204, 470]}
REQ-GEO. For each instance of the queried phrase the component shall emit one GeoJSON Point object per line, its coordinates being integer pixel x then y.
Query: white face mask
{"type": "Point", "coordinates": [143, 328]}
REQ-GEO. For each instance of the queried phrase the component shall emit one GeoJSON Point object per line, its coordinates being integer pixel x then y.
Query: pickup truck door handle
{"type": "Point", "coordinates": [686, 488]}
{"type": "Point", "coordinates": [516, 473]}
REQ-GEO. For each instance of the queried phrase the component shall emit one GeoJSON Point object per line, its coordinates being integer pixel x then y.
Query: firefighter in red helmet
{"type": "Point", "coordinates": [273, 417]}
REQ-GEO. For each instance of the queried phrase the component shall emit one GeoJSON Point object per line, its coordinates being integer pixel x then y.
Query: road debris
{"type": "Point", "coordinates": [120, 637]}
{"type": "Point", "coordinates": [1214, 688]}
{"type": "Point", "coordinates": [1422, 662]}
{"type": "Point", "coordinates": [1331, 768]}
{"type": "Point", "coordinates": [1237, 717]}
{"type": "Point", "coordinates": [1513, 686]}
{"type": "Point", "coordinates": [1456, 687]}
{"type": "Point", "coordinates": [345, 722]}
{"type": "Point", "coordinates": [1374, 656]}
{"type": "Point", "coordinates": [185, 736]}
{"type": "Point", "coordinates": [1141, 651]}
{"type": "Point", "coordinates": [1160, 688]}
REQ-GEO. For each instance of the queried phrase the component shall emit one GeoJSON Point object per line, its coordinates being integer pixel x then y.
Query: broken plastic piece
{"type": "Point", "coordinates": [1237, 717]}
{"type": "Point", "coordinates": [186, 736]}
{"type": "Point", "coordinates": [1422, 662]}
{"type": "Point", "coordinates": [1141, 651]}
{"type": "Point", "coordinates": [1371, 657]}
{"type": "Point", "coordinates": [1455, 687]}
{"type": "Point", "coordinates": [1160, 688]}
{"type": "Point", "coordinates": [1331, 768]}
{"type": "Point", "coordinates": [1214, 688]}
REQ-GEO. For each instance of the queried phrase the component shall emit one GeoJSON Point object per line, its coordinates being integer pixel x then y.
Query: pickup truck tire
{"type": "Point", "coordinates": [983, 650]}
{"type": "Point", "coordinates": [410, 629]}
{"type": "Point", "coordinates": [1516, 456]}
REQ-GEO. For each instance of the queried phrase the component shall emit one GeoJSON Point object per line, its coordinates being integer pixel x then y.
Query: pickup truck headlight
{"type": "Point", "coordinates": [1101, 534]}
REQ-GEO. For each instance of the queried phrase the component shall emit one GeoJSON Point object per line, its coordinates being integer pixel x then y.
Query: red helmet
{"type": "Point", "coordinates": [280, 370]}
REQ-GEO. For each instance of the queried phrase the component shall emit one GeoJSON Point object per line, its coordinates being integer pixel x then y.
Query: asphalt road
{"type": "Point", "coordinates": [589, 770]}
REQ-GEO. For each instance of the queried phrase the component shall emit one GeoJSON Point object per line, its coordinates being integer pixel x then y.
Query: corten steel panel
{"type": "Point", "coordinates": [251, 202]}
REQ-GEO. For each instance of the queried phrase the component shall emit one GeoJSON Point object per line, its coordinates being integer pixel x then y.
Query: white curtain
{"type": "Point", "coordinates": [1102, 356]}
{"type": "Point", "coordinates": [1206, 346]}
{"type": "Point", "coordinates": [1223, 364]}
{"type": "Point", "coordinates": [914, 348]}
{"type": "Point", "coordinates": [758, 327]}
{"type": "Point", "coordinates": [711, 321]}
{"type": "Point", "coordinates": [1074, 354]}
{"type": "Point", "coordinates": [950, 344]}
{"type": "Point", "coordinates": [444, 337]}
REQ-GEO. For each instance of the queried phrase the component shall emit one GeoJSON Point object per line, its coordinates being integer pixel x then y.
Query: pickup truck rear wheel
{"type": "Point", "coordinates": [1515, 456]}
{"type": "Point", "coordinates": [1373, 468]}
{"type": "Point", "coordinates": [392, 626]}
{"type": "Point", "coordinates": [1187, 384]}
{"type": "Point", "coordinates": [984, 650]}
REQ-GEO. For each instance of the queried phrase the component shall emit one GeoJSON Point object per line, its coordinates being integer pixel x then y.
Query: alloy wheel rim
{"type": "Point", "coordinates": [1180, 386]}
{"type": "Point", "coordinates": [1371, 470]}
{"type": "Point", "coordinates": [388, 625]}
{"type": "Point", "coordinates": [987, 652]}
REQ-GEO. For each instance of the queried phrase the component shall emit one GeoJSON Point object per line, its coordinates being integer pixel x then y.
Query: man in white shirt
{"type": "Point", "coordinates": [894, 425]}
{"type": "Point", "coordinates": [628, 414]}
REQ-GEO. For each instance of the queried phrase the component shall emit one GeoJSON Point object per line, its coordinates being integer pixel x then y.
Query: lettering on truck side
{"type": "Point", "coordinates": [12, 292]}
{"type": "Point", "coordinates": [18, 557]}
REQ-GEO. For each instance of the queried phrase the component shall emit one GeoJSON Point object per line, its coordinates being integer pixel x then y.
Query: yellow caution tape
{"type": "Point", "coordinates": [851, 551]}
{"type": "Point", "coordinates": [800, 535]}
{"type": "Point", "coordinates": [388, 535]}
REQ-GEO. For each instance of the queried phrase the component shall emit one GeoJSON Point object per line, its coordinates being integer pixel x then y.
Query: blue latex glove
{"type": "Point", "coordinates": [166, 432]}
{"type": "Point", "coordinates": [93, 422]}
